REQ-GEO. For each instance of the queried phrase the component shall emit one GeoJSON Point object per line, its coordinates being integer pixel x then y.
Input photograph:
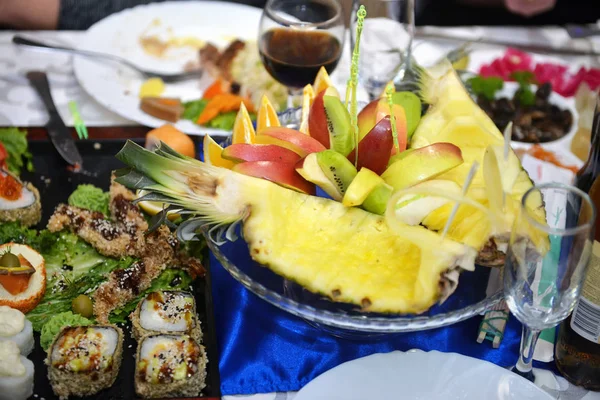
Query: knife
{"type": "Point", "coordinates": [534, 48]}
{"type": "Point", "coordinates": [57, 130]}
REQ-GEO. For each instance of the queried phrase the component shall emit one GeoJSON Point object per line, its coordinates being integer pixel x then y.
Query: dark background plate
{"type": "Point", "coordinates": [55, 183]}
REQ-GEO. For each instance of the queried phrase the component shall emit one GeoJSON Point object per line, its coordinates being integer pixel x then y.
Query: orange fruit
{"type": "Point", "coordinates": [266, 116]}
{"type": "Point", "coordinates": [322, 81]}
{"type": "Point", "coordinates": [153, 207]}
{"type": "Point", "coordinates": [243, 131]}
{"type": "Point", "coordinates": [173, 137]}
{"type": "Point", "coordinates": [212, 154]}
{"type": "Point", "coordinates": [308, 96]}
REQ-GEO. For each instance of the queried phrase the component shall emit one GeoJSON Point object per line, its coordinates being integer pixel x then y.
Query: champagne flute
{"type": "Point", "coordinates": [297, 38]}
{"type": "Point", "coordinates": [546, 261]}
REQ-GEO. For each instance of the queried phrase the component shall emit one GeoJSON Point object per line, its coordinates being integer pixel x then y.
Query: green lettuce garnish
{"type": "Point", "coordinates": [486, 87]}
{"type": "Point", "coordinates": [91, 198]}
{"type": "Point", "coordinates": [56, 323]}
{"type": "Point", "coordinates": [193, 109]}
{"type": "Point", "coordinates": [15, 143]}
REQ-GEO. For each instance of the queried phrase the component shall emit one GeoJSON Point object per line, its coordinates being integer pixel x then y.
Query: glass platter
{"type": "Point", "coordinates": [341, 319]}
{"type": "Point", "coordinates": [469, 299]}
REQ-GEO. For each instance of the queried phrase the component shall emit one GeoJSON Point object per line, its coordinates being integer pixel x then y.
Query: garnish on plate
{"type": "Point", "coordinates": [14, 151]}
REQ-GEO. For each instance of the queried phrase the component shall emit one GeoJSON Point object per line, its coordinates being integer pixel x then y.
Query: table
{"type": "Point", "coordinates": [20, 106]}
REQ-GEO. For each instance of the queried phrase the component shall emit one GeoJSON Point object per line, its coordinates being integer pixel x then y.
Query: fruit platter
{"type": "Point", "coordinates": [385, 220]}
{"type": "Point", "coordinates": [87, 298]}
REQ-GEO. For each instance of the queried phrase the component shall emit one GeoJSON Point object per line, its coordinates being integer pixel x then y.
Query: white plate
{"type": "Point", "coordinates": [419, 375]}
{"type": "Point", "coordinates": [117, 88]}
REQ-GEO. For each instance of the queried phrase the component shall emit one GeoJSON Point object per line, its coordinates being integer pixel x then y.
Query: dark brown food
{"type": "Point", "coordinates": [167, 109]}
{"type": "Point", "coordinates": [539, 123]}
{"type": "Point", "coordinates": [218, 64]}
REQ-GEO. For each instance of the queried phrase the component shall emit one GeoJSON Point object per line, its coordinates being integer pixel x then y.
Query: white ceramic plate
{"type": "Point", "coordinates": [419, 375]}
{"type": "Point", "coordinates": [117, 88]}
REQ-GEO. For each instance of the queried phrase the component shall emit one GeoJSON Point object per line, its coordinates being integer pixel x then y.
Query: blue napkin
{"type": "Point", "coordinates": [264, 349]}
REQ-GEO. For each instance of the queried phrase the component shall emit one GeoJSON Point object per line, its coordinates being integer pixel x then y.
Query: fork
{"type": "Point", "coordinates": [77, 121]}
{"type": "Point", "coordinates": [167, 78]}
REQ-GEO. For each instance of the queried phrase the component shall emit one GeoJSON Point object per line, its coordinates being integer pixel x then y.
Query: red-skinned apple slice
{"type": "Point", "coordinates": [244, 152]}
{"type": "Point", "coordinates": [317, 118]}
{"type": "Point", "coordinates": [377, 110]}
{"type": "Point", "coordinates": [422, 164]}
{"type": "Point", "coordinates": [293, 140]}
{"type": "Point", "coordinates": [374, 150]}
{"type": "Point", "coordinates": [281, 173]}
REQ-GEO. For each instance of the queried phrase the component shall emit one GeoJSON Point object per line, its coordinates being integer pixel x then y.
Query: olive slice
{"type": "Point", "coordinates": [10, 260]}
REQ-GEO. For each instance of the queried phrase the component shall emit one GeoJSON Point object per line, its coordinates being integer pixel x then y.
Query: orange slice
{"type": "Point", "coordinates": [243, 131]}
{"type": "Point", "coordinates": [266, 116]}
{"type": "Point", "coordinates": [173, 137]}
{"type": "Point", "coordinates": [154, 207]}
{"type": "Point", "coordinates": [322, 81]}
{"type": "Point", "coordinates": [212, 154]}
{"type": "Point", "coordinates": [308, 96]}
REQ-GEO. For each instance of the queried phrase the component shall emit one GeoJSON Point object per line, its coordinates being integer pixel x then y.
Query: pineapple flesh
{"type": "Point", "coordinates": [347, 254]}
{"type": "Point", "coordinates": [455, 118]}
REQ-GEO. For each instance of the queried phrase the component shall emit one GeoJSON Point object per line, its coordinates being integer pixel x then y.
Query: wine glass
{"type": "Point", "coordinates": [298, 37]}
{"type": "Point", "coordinates": [546, 261]}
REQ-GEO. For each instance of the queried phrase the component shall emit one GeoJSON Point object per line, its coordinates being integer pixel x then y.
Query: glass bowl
{"type": "Point", "coordinates": [342, 319]}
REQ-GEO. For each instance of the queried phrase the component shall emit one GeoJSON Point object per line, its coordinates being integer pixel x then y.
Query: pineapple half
{"type": "Point", "coordinates": [454, 117]}
{"type": "Point", "coordinates": [347, 254]}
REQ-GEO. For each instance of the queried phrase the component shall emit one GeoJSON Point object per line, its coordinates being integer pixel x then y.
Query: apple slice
{"type": "Point", "coordinates": [360, 187]}
{"type": "Point", "coordinates": [375, 148]}
{"type": "Point", "coordinates": [243, 152]}
{"type": "Point", "coordinates": [329, 170]}
{"type": "Point", "coordinates": [281, 173]}
{"type": "Point", "coordinates": [412, 209]}
{"type": "Point", "coordinates": [317, 118]}
{"type": "Point", "coordinates": [293, 140]}
{"type": "Point", "coordinates": [411, 104]}
{"type": "Point", "coordinates": [374, 112]}
{"type": "Point", "coordinates": [377, 201]}
{"type": "Point", "coordinates": [422, 164]}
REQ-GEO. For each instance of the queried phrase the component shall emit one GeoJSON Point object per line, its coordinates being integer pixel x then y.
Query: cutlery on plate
{"type": "Point", "coordinates": [167, 78]}
{"type": "Point", "coordinates": [57, 130]}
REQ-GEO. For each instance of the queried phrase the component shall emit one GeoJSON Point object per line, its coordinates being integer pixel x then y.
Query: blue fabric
{"type": "Point", "coordinates": [264, 349]}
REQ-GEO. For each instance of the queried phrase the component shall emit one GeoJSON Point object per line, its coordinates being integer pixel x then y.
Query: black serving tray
{"type": "Point", "coordinates": [56, 182]}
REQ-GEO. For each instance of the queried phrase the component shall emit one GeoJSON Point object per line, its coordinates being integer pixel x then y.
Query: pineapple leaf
{"type": "Point", "coordinates": [133, 179]}
{"type": "Point", "coordinates": [188, 229]}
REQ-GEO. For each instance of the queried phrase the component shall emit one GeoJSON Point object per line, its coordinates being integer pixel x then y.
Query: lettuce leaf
{"type": "Point", "coordinates": [56, 323]}
{"type": "Point", "coordinates": [15, 142]}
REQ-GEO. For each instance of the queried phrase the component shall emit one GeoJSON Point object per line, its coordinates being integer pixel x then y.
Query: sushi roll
{"type": "Point", "coordinates": [169, 366]}
{"type": "Point", "coordinates": [166, 312]}
{"type": "Point", "coordinates": [83, 360]}
{"type": "Point", "coordinates": [19, 201]}
{"type": "Point", "coordinates": [22, 277]}
{"type": "Point", "coordinates": [16, 328]}
{"type": "Point", "coordinates": [16, 373]}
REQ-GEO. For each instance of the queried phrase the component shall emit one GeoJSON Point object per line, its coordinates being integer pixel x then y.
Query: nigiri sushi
{"type": "Point", "coordinates": [83, 360]}
{"type": "Point", "coordinates": [16, 373]}
{"type": "Point", "coordinates": [18, 201]}
{"type": "Point", "coordinates": [169, 366]}
{"type": "Point", "coordinates": [166, 312]}
{"type": "Point", "coordinates": [15, 327]}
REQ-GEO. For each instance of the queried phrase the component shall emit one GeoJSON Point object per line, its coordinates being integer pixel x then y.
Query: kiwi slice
{"type": "Point", "coordinates": [338, 125]}
{"type": "Point", "coordinates": [329, 170]}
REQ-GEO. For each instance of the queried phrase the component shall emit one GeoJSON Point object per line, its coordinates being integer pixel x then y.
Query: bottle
{"type": "Point", "coordinates": [577, 352]}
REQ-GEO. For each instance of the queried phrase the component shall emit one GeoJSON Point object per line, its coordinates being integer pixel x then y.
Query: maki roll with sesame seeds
{"type": "Point", "coordinates": [169, 366]}
{"type": "Point", "coordinates": [166, 312]}
{"type": "Point", "coordinates": [83, 360]}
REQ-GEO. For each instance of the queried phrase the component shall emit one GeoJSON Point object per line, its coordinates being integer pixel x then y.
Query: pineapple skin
{"type": "Point", "coordinates": [346, 254]}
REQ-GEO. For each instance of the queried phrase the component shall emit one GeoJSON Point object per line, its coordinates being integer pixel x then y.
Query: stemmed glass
{"type": "Point", "coordinates": [298, 37]}
{"type": "Point", "coordinates": [546, 261]}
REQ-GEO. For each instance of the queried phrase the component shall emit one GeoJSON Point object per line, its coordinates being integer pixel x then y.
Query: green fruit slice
{"type": "Point", "coordinates": [412, 109]}
{"type": "Point", "coordinates": [338, 125]}
{"type": "Point", "coordinates": [360, 188]}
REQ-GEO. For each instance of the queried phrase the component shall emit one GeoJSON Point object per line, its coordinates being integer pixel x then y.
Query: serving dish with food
{"type": "Point", "coordinates": [93, 305]}
{"type": "Point", "coordinates": [173, 37]}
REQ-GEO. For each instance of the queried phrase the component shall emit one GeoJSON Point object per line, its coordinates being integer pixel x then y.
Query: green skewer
{"type": "Point", "coordinates": [389, 90]}
{"type": "Point", "coordinates": [361, 14]}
